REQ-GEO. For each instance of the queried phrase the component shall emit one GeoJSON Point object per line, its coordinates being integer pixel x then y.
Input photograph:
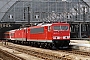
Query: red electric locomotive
{"type": "Point", "coordinates": [54, 34]}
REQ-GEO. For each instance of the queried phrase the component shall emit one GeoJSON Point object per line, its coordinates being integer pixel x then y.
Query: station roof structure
{"type": "Point", "coordinates": [87, 2]}
{"type": "Point", "coordinates": [5, 5]}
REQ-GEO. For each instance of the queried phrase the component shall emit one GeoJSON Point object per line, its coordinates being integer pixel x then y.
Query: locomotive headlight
{"type": "Point", "coordinates": [66, 37]}
{"type": "Point", "coordinates": [56, 37]}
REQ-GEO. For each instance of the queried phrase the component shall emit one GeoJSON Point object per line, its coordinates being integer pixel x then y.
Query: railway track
{"type": "Point", "coordinates": [48, 56]}
{"type": "Point", "coordinates": [78, 52]}
{"type": "Point", "coordinates": [40, 54]}
{"type": "Point", "coordinates": [4, 55]}
{"type": "Point", "coordinates": [1, 59]}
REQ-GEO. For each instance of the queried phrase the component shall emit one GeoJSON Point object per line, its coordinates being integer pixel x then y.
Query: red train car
{"type": "Point", "coordinates": [20, 34]}
{"type": "Point", "coordinates": [54, 34]}
{"type": "Point", "coordinates": [9, 35]}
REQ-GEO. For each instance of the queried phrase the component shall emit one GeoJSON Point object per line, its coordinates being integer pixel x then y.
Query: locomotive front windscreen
{"type": "Point", "coordinates": [60, 27]}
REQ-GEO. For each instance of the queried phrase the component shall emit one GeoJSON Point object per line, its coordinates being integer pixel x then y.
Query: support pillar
{"type": "Point", "coordinates": [80, 30]}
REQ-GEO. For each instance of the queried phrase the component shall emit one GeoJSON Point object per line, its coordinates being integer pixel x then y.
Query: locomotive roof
{"type": "Point", "coordinates": [12, 31]}
{"type": "Point", "coordinates": [47, 25]}
{"type": "Point", "coordinates": [42, 25]}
